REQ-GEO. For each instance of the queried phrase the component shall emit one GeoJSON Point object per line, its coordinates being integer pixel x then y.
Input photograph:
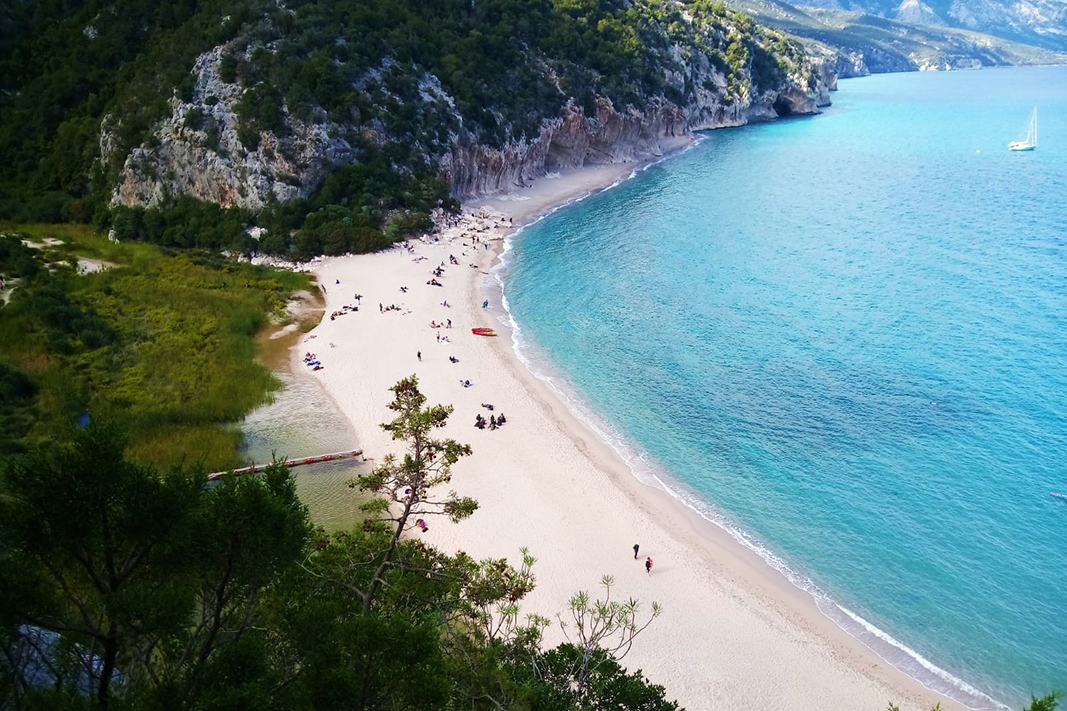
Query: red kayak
{"type": "Point", "coordinates": [483, 332]}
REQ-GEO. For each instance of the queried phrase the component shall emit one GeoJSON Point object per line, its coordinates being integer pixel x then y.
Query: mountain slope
{"type": "Point", "coordinates": [1042, 23]}
{"type": "Point", "coordinates": [354, 119]}
{"type": "Point", "coordinates": [912, 36]}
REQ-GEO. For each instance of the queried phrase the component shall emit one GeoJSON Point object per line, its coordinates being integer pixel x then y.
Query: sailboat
{"type": "Point", "coordinates": [1030, 142]}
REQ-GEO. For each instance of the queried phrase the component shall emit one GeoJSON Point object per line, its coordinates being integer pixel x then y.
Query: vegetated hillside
{"type": "Point", "coordinates": [1042, 23]}
{"type": "Point", "coordinates": [869, 43]}
{"type": "Point", "coordinates": [340, 122]}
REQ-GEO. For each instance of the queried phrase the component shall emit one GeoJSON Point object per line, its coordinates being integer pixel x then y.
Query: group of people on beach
{"type": "Point", "coordinates": [312, 361]}
{"type": "Point", "coordinates": [344, 310]}
{"type": "Point", "coordinates": [648, 560]}
{"type": "Point", "coordinates": [390, 307]}
{"type": "Point", "coordinates": [494, 421]}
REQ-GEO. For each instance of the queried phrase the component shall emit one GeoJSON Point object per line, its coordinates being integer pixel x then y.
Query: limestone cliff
{"type": "Point", "coordinates": [208, 160]}
{"type": "Point", "coordinates": [198, 149]}
{"type": "Point", "coordinates": [610, 136]}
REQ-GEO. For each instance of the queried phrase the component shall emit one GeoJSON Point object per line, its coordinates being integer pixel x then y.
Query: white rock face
{"type": "Point", "coordinates": [187, 161]}
{"type": "Point", "coordinates": [210, 163]}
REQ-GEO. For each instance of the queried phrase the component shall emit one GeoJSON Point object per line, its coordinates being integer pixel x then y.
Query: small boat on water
{"type": "Point", "coordinates": [483, 332]}
{"type": "Point", "coordinates": [1030, 142]}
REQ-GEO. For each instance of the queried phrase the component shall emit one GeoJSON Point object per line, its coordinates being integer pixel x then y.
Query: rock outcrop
{"type": "Point", "coordinates": [206, 159]}
{"type": "Point", "coordinates": [198, 151]}
{"type": "Point", "coordinates": [611, 136]}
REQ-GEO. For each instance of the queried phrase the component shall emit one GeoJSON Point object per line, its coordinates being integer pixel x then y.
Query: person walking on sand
{"type": "Point", "coordinates": [637, 547]}
{"type": "Point", "coordinates": [380, 309]}
{"type": "Point", "coordinates": [419, 354]}
{"type": "Point", "coordinates": [648, 566]}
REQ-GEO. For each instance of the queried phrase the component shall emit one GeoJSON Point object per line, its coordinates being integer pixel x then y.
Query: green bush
{"type": "Point", "coordinates": [162, 344]}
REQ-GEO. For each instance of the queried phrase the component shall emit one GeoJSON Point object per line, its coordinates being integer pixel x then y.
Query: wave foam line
{"type": "Point", "coordinates": [888, 648]}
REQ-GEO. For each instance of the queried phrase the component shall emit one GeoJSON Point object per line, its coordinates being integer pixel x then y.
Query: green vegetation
{"type": "Point", "coordinates": [192, 597]}
{"type": "Point", "coordinates": [161, 343]}
{"type": "Point", "coordinates": [400, 81]}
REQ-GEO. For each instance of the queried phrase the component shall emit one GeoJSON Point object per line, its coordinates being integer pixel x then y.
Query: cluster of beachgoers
{"type": "Point", "coordinates": [733, 633]}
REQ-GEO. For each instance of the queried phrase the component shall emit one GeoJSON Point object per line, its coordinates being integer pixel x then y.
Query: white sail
{"type": "Point", "coordinates": [1030, 142]}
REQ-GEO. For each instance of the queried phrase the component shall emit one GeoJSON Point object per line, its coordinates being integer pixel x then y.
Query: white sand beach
{"type": "Point", "coordinates": [734, 634]}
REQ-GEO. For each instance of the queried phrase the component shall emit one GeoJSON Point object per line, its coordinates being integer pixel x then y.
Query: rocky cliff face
{"type": "Point", "coordinates": [198, 151]}
{"type": "Point", "coordinates": [611, 136]}
{"type": "Point", "coordinates": [206, 159]}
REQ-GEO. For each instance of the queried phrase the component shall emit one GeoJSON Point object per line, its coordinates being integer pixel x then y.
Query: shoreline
{"type": "Point", "coordinates": [781, 650]}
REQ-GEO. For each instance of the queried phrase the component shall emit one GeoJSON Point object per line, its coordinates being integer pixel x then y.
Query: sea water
{"type": "Point", "coordinates": [844, 338]}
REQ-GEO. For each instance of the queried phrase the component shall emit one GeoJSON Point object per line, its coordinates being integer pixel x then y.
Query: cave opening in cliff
{"type": "Point", "coordinates": [782, 107]}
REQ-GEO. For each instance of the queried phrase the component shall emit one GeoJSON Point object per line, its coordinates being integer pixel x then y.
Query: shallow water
{"type": "Point", "coordinates": [845, 337]}
{"type": "Point", "coordinates": [303, 421]}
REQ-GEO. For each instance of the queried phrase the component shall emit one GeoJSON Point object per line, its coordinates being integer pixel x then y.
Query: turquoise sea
{"type": "Point", "coordinates": [844, 338]}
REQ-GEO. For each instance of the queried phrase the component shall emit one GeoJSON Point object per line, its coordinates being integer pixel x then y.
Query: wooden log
{"type": "Point", "coordinates": [298, 462]}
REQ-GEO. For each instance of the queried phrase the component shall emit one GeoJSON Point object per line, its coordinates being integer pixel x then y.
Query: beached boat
{"type": "Point", "coordinates": [1030, 142]}
{"type": "Point", "coordinates": [483, 332]}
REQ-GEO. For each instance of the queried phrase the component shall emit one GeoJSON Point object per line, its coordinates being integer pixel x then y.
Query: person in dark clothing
{"type": "Point", "coordinates": [637, 547]}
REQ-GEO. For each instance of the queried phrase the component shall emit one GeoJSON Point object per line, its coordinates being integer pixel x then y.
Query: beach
{"type": "Point", "coordinates": [733, 633]}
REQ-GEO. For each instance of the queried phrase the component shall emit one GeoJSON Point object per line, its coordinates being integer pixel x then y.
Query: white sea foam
{"type": "Point", "coordinates": [647, 471]}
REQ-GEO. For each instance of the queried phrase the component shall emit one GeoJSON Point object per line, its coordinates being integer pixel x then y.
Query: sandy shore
{"type": "Point", "coordinates": [733, 635]}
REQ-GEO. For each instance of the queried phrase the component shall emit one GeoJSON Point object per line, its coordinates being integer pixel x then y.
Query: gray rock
{"type": "Point", "coordinates": [210, 163]}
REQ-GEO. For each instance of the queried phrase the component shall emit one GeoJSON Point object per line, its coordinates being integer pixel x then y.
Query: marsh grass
{"type": "Point", "coordinates": [182, 361]}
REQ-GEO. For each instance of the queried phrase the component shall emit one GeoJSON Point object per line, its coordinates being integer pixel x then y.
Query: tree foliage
{"type": "Point", "coordinates": [404, 488]}
{"type": "Point", "coordinates": [164, 592]}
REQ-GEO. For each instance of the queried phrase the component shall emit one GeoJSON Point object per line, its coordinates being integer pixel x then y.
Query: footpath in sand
{"type": "Point", "coordinates": [733, 633]}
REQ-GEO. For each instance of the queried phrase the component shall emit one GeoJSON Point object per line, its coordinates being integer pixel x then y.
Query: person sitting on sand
{"type": "Point", "coordinates": [453, 359]}
{"type": "Point", "coordinates": [449, 324]}
{"type": "Point", "coordinates": [492, 422]}
{"type": "Point", "coordinates": [422, 525]}
{"type": "Point", "coordinates": [501, 420]}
